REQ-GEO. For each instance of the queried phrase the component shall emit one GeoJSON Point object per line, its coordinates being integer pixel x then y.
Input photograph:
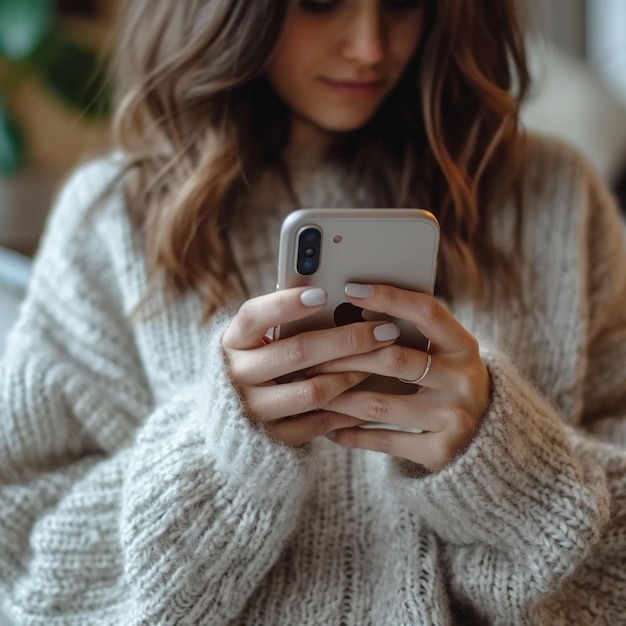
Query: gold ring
{"type": "Point", "coordinates": [417, 381]}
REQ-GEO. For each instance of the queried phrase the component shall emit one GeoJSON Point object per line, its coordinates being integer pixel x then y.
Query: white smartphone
{"type": "Point", "coordinates": [328, 248]}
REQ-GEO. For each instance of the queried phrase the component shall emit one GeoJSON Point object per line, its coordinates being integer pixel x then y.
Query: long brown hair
{"type": "Point", "coordinates": [198, 122]}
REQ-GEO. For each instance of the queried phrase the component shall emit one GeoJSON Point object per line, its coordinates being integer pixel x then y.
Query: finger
{"type": "Point", "coordinates": [394, 361]}
{"type": "Point", "coordinates": [430, 317]}
{"type": "Point", "coordinates": [423, 411]}
{"type": "Point", "coordinates": [296, 431]}
{"type": "Point", "coordinates": [258, 314]}
{"type": "Point", "coordinates": [431, 450]}
{"type": "Point", "coordinates": [272, 402]}
{"type": "Point", "coordinates": [311, 348]}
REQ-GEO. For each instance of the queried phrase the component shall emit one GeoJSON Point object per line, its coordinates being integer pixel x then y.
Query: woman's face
{"type": "Point", "coordinates": [337, 60]}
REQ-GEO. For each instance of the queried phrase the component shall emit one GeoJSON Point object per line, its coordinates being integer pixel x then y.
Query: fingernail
{"type": "Point", "coordinates": [313, 297]}
{"type": "Point", "coordinates": [331, 435]}
{"type": "Point", "coordinates": [355, 290]}
{"type": "Point", "coordinates": [386, 332]}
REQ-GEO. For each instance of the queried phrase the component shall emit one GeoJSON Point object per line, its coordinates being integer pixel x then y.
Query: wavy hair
{"type": "Point", "coordinates": [198, 122]}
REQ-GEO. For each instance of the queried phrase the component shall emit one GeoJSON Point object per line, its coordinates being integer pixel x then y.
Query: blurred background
{"type": "Point", "coordinates": [53, 113]}
{"type": "Point", "coordinates": [578, 58]}
{"type": "Point", "coordinates": [54, 105]}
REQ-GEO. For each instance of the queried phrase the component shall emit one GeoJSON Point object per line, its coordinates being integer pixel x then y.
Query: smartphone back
{"type": "Point", "coordinates": [389, 246]}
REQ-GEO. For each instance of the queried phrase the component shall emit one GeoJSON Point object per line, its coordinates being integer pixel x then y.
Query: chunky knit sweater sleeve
{"type": "Point", "coordinates": [533, 513]}
{"type": "Point", "coordinates": [106, 499]}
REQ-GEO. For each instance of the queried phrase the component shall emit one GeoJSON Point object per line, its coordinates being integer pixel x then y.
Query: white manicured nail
{"type": "Point", "coordinates": [386, 332]}
{"type": "Point", "coordinates": [355, 290]}
{"type": "Point", "coordinates": [313, 297]}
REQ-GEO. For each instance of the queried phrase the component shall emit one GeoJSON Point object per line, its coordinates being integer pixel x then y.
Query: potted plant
{"type": "Point", "coordinates": [37, 47]}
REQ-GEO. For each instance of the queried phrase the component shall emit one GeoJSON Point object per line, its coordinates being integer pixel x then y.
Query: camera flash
{"type": "Point", "coordinates": [337, 238]}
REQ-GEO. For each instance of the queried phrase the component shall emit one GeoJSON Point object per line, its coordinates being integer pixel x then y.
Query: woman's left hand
{"type": "Point", "coordinates": [455, 391]}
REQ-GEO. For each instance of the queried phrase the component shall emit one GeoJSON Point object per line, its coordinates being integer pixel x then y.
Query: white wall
{"type": "Point", "coordinates": [606, 40]}
{"type": "Point", "coordinates": [562, 22]}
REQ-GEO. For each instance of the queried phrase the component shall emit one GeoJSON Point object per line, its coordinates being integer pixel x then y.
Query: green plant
{"type": "Point", "coordinates": [34, 42]}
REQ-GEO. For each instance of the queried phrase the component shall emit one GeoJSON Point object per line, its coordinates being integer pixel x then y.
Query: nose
{"type": "Point", "coordinates": [365, 37]}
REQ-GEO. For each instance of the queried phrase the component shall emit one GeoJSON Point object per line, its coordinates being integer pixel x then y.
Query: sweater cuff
{"type": "Point", "coordinates": [242, 451]}
{"type": "Point", "coordinates": [517, 483]}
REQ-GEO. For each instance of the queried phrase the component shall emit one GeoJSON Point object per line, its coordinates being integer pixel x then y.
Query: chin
{"type": "Point", "coordinates": [345, 126]}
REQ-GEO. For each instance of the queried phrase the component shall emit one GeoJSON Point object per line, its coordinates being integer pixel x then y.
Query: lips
{"type": "Point", "coordinates": [354, 87]}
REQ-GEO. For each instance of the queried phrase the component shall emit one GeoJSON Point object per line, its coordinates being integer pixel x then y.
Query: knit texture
{"type": "Point", "coordinates": [134, 490]}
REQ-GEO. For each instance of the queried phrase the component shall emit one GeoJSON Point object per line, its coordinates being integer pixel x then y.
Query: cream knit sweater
{"type": "Point", "coordinates": [133, 490]}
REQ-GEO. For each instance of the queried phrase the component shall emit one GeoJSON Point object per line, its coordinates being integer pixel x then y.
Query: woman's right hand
{"type": "Point", "coordinates": [292, 412]}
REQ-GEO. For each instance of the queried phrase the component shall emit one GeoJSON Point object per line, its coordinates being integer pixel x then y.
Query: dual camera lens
{"type": "Point", "coordinates": [309, 244]}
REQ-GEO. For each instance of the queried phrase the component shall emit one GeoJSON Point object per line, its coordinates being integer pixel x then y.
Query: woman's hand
{"type": "Point", "coordinates": [455, 390]}
{"type": "Point", "coordinates": [292, 412]}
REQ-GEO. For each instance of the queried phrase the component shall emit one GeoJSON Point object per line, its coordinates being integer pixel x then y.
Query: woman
{"type": "Point", "coordinates": [151, 471]}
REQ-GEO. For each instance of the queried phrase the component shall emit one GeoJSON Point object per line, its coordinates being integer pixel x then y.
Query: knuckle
{"type": "Point", "coordinates": [432, 309]}
{"type": "Point", "coordinates": [351, 337]}
{"type": "Point", "coordinates": [396, 359]}
{"type": "Point", "coordinates": [382, 443]}
{"type": "Point", "coordinates": [377, 409]}
{"type": "Point", "coordinates": [246, 314]}
{"type": "Point", "coordinates": [388, 293]}
{"type": "Point", "coordinates": [294, 350]}
{"type": "Point", "coordinates": [350, 379]}
{"type": "Point", "coordinates": [311, 395]}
